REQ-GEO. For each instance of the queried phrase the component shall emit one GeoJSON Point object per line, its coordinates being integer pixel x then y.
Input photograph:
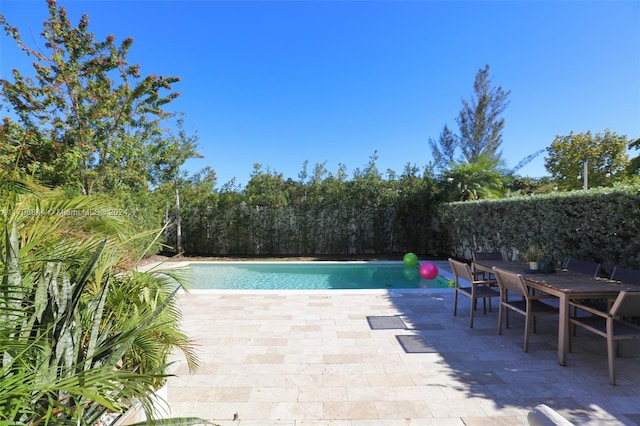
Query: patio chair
{"type": "Point", "coordinates": [583, 266]}
{"type": "Point", "coordinates": [487, 255]}
{"type": "Point", "coordinates": [612, 324]}
{"type": "Point", "coordinates": [626, 275]}
{"type": "Point", "coordinates": [527, 304]}
{"type": "Point", "coordinates": [589, 268]}
{"type": "Point", "coordinates": [475, 289]}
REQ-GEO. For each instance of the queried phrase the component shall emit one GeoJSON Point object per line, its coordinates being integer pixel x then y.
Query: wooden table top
{"type": "Point", "coordinates": [561, 280]}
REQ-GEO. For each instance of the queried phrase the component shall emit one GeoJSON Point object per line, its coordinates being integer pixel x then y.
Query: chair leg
{"type": "Point", "coordinates": [527, 323]}
{"type": "Point", "coordinates": [455, 302]}
{"type": "Point", "coordinates": [472, 312]}
{"type": "Point", "coordinates": [611, 355]}
{"type": "Point", "coordinates": [500, 312]}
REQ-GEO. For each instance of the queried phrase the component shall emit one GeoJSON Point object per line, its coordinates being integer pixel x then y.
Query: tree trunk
{"type": "Point", "coordinates": [178, 222]}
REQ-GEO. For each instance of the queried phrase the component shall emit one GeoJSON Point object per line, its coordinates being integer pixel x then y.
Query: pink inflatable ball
{"type": "Point", "coordinates": [428, 271]}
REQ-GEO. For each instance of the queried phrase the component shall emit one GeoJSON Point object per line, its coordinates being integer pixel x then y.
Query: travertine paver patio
{"type": "Point", "coordinates": [313, 358]}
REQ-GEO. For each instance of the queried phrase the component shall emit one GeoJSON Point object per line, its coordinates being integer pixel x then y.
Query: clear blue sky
{"type": "Point", "coordinates": [281, 82]}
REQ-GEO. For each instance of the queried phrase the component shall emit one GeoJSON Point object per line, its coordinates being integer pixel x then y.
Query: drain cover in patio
{"type": "Point", "coordinates": [386, 322]}
{"type": "Point", "coordinates": [415, 345]}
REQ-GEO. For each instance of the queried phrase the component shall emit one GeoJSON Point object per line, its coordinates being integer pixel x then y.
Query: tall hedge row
{"type": "Point", "coordinates": [298, 230]}
{"type": "Point", "coordinates": [600, 224]}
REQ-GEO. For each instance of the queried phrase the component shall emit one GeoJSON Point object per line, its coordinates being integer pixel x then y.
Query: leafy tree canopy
{"type": "Point", "coordinates": [634, 164]}
{"type": "Point", "coordinates": [266, 188]}
{"type": "Point", "coordinates": [604, 154]}
{"type": "Point", "coordinates": [87, 117]}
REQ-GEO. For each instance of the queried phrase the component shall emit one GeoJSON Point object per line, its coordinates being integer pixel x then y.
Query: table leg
{"type": "Point", "coordinates": [563, 329]}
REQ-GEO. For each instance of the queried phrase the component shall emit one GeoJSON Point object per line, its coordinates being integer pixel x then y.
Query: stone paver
{"type": "Point", "coordinates": [299, 358]}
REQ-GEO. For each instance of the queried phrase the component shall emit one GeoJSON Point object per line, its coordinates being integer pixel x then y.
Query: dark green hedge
{"type": "Point", "coordinates": [264, 231]}
{"type": "Point", "coordinates": [600, 224]}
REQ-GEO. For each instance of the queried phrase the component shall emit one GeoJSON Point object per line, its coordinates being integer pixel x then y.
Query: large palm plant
{"type": "Point", "coordinates": [473, 181]}
{"type": "Point", "coordinates": [69, 344]}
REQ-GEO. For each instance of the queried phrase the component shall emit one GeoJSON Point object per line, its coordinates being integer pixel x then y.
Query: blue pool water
{"type": "Point", "coordinates": [308, 276]}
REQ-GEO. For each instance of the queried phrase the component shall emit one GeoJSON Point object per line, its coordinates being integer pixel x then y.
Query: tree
{"type": "Point", "coordinates": [634, 164]}
{"type": "Point", "coordinates": [473, 181]}
{"type": "Point", "coordinates": [15, 144]}
{"type": "Point", "coordinates": [198, 201]}
{"type": "Point", "coordinates": [480, 122]}
{"type": "Point", "coordinates": [88, 116]}
{"type": "Point", "coordinates": [367, 186]}
{"type": "Point", "coordinates": [169, 155]}
{"type": "Point", "coordinates": [603, 153]}
{"type": "Point", "coordinates": [266, 188]}
{"type": "Point", "coordinates": [470, 162]}
{"type": "Point", "coordinates": [444, 149]}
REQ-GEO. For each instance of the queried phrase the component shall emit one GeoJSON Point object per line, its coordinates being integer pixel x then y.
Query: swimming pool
{"type": "Point", "coordinates": [308, 276]}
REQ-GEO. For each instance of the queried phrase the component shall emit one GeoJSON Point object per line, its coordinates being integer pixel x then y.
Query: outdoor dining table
{"type": "Point", "coordinates": [566, 286]}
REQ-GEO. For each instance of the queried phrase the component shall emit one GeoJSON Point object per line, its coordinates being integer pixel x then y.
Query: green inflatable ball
{"type": "Point", "coordinates": [411, 273]}
{"type": "Point", "coordinates": [410, 259]}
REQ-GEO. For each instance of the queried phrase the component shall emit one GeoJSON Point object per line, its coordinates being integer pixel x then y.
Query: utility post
{"type": "Point", "coordinates": [585, 176]}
